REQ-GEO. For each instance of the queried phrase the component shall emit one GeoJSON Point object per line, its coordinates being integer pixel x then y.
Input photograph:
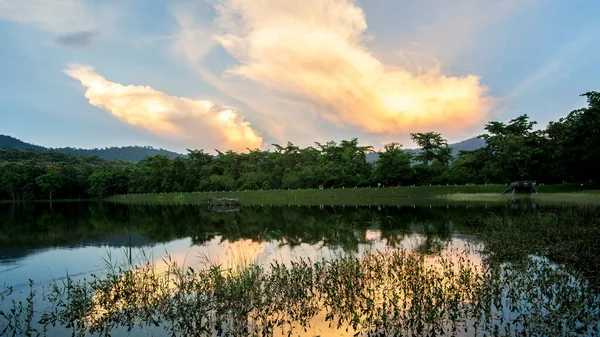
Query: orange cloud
{"type": "Point", "coordinates": [315, 51]}
{"type": "Point", "coordinates": [195, 122]}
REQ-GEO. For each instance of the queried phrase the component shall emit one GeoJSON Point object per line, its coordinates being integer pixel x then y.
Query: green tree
{"type": "Point", "coordinates": [99, 184]}
{"type": "Point", "coordinates": [344, 164]}
{"type": "Point", "coordinates": [574, 142]}
{"type": "Point", "coordinates": [50, 181]}
{"type": "Point", "coordinates": [11, 180]}
{"type": "Point", "coordinates": [435, 157]}
{"type": "Point", "coordinates": [433, 147]}
{"type": "Point", "coordinates": [514, 147]}
{"type": "Point", "coordinates": [393, 165]}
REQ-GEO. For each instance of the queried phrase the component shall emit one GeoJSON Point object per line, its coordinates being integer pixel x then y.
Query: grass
{"type": "Point", "coordinates": [569, 236]}
{"type": "Point", "coordinates": [379, 294]}
{"type": "Point", "coordinates": [335, 196]}
{"type": "Point", "coordinates": [343, 196]}
{"type": "Point", "coordinates": [44, 201]}
{"type": "Point", "coordinates": [547, 198]}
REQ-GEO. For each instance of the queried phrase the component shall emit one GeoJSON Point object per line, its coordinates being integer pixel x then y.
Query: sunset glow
{"type": "Point", "coordinates": [175, 118]}
{"type": "Point", "coordinates": [314, 50]}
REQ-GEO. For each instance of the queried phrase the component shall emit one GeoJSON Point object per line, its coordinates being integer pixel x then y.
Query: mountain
{"type": "Point", "coordinates": [125, 153]}
{"type": "Point", "coordinates": [137, 153]}
{"type": "Point", "coordinates": [465, 145]}
{"type": "Point", "coordinates": [8, 142]}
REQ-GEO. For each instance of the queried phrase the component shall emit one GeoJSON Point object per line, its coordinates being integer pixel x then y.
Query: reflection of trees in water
{"type": "Point", "coordinates": [436, 237]}
{"type": "Point", "coordinates": [37, 225]}
{"type": "Point", "coordinates": [26, 227]}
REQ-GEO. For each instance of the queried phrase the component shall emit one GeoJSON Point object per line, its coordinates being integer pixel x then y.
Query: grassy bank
{"type": "Point", "coordinates": [334, 196]}
{"type": "Point", "coordinates": [574, 198]}
{"type": "Point", "coordinates": [339, 196]}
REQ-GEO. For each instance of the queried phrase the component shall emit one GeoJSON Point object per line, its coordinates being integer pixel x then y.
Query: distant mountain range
{"type": "Point", "coordinates": [125, 153]}
{"type": "Point", "coordinates": [137, 153]}
{"type": "Point", "coordinates": [465, 145]}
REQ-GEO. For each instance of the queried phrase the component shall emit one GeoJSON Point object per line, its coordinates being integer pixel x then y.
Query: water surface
{"type": "Point", "coordinates": [46, 243]}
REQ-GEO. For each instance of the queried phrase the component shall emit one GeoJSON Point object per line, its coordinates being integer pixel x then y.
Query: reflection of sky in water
{"type": "Point", "coordinates": [49, 264]}
{"type": "Point", "coordinates": [426, 232]}
{"type": "Point", "coordinates": [54, 264]}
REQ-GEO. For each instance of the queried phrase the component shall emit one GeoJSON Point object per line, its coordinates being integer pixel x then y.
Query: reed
{"type": "Point", "coordinates": [385, 293]}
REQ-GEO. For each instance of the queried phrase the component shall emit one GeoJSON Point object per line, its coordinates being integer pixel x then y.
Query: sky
{"type": "Point", "coordinates": [246, 74]}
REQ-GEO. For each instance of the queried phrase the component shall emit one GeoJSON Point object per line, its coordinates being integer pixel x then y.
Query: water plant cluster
{"type": "Point", "coordinates": [566, 235]}
{"type": "Point", "coordinates": [386, 293]}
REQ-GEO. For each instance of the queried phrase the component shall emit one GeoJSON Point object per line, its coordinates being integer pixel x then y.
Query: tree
{"type": "Point", "coordinates": [574, 141]}
{"type": "Point", "coordinates": [49, 181]}
{"type": "Point", "coordinates": [433, 146]}
{"type": "Point", "coordinates": [474, 167]}
{"type": "Point", "coordinates": [513, 147]}
{"type": "Point", "coordinates": [99, 184]}
{"type": "Point", "coordinates": [435, 157]}
{"type": "Point", "coordinates": [11, 180]}
{"type": "Point", "coordinates": [393, 165]}
{"type": "Point", "coordinates": [344, 164]}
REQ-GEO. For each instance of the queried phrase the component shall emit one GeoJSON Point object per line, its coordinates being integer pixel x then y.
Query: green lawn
{"type": "Point", "coordinates": [336, 196]}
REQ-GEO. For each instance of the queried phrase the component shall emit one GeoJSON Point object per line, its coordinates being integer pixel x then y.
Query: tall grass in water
{"type": "Point", "coordinates": [380, 294]}
{"type": "Point", "coordinates": [567, 235]}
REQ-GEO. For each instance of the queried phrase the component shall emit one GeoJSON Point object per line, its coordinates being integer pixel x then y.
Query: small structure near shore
{"type": "Point", "coordinates": [222, 204]}
{"type": "Point", "coordinates": [521, 187]}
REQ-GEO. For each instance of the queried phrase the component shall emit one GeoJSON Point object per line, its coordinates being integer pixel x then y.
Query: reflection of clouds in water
{"type": "Point", "coordinates": [228, 255]}
{"type": "Point", "coordinates": [237, 254]}
{"type": "Point", "coordinates": [372, 235]}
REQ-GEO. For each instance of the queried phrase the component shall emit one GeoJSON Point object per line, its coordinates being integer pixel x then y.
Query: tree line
{"type": "Point", "coordinates": [566, 150]}
{"type": "Point", "coordinates": [126, 153]}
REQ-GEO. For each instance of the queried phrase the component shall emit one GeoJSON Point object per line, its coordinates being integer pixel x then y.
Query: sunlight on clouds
{"type": "Point", "coordinates": [196, 122]}
{"type": "Point", "coordinates": [314, 51]}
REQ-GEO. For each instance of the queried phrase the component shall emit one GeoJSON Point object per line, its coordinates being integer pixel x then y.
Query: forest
{"type": "Point", "coordinates": [567, 150]}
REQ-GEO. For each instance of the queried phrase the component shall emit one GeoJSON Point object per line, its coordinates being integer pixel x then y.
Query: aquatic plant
{"type": "Point", "coordinates": [382, 293]}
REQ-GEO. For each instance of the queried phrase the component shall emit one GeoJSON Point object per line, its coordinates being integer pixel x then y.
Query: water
{"type": "Point", "coordinates": [46, 243]}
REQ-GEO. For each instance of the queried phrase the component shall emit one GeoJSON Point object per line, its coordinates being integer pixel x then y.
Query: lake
{"type": "Point", "coordinates": [53, 244]}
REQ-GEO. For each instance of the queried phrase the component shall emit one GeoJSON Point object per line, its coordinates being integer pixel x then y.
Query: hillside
{"type": "Point", "coordinates": [465, 145]}
{"type": "Point", "coordinates": [8, 142]}
{"type": "Point", "coordinates": [137, 153]}
{"type": "Point", "coordinates": [125, 153]}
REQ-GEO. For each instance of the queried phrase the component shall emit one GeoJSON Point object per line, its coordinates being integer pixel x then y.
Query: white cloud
{"type": "Point", "coordinates": [180, 120]}
{"type": "Point", "coordinates": [313, 56]}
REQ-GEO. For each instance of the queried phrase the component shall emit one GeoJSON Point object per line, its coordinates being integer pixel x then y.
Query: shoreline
{"type": "Point", "coordinates": [362, 196]}
{"type": "Point", "coordinates": [352, 196]}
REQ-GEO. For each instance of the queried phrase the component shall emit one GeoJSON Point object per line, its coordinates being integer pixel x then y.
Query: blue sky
{"type": "Point", "coordinates": [236, 74]}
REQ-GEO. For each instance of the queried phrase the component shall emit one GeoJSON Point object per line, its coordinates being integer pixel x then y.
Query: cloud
{"type": "Point", "coordinates": [196, 123]}
{"type": "Point", "coordinates": [313, 53]}
{"type": "Point", "coordinates": [52, 15]}
{"type": "Point", "coordinates": [77, 39]}
{"type": "Point", "coordinates": [72, 23]}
